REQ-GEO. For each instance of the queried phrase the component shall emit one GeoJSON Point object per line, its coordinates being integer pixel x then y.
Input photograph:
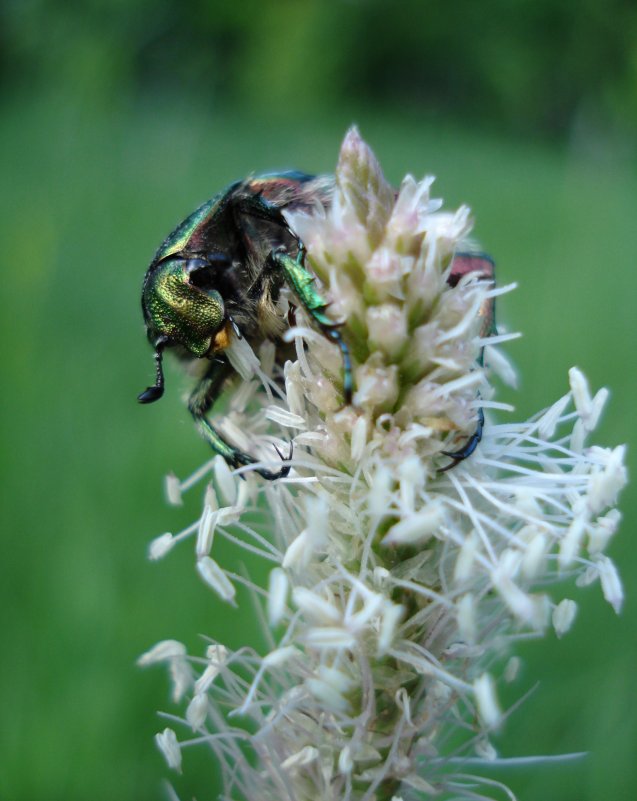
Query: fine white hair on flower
{"type": "Point", "coordinates": [394, 584]}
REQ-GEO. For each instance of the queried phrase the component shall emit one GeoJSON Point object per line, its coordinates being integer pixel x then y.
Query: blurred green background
{"type": "Point", "coordinates": [117, 119]}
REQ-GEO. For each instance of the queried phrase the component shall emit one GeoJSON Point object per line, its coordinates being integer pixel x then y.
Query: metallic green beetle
{"type": "Point", "coordinates": [221, 271]}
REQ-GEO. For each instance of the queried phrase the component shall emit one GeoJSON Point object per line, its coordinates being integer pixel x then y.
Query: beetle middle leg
{"type": "Point", "coordinates": [201, 401]}
{"type": "Point", "coordinates": [301, 281]}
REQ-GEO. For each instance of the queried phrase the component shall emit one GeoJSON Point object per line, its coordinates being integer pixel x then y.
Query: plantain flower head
{"type": "Point", "coordinates": [395, 585]}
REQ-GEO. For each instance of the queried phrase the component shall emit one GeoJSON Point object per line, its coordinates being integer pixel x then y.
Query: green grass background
{"type": "Point", "coordinates": [85, 198]}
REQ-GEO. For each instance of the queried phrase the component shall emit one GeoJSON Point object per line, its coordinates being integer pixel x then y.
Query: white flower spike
{"type": "Point", "coordinates": [392, 585]}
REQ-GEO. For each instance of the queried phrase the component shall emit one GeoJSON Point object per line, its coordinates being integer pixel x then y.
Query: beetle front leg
{"type": "Point", "coordinates": [301, 281]}
{"type": "Point", "coordinates": [201, 401]}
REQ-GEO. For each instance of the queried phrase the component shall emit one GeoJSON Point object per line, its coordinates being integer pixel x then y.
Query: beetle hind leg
{"type": "Point", "coordinates": [201, 401]}
{"type": "Point", "coordinates": [468, 448]}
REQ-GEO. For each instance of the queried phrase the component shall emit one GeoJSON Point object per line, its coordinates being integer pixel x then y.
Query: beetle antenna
{"type": "Point", "coordinates": [154, 393]}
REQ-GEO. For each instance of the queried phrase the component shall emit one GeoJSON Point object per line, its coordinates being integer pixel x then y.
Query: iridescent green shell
{"type": "Point", "coordinates": [179, 240]}
{"type": "Point", "coordinates": [194, 234]}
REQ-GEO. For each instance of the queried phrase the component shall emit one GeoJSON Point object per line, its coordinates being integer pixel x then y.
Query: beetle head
{"type": "Point", "coordinates": [181, 307]}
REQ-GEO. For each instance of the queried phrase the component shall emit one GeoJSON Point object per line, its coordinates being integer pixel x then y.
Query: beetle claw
{"type": "Point", "coordinates": [151, 394]}
{"type": "Point", "coordinates": [283, 472]}
{"type": "Point", "coordinates": [469, 447]}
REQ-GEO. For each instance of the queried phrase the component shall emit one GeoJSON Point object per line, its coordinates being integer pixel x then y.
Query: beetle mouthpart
{"type": "Point", "coordinates": [221, 339]}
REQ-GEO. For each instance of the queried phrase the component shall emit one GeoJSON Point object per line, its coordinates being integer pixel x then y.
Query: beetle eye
{"type": "Point", "coordinates": [198, 272]}
{"type": "Point", "coordinates": [204, 273]}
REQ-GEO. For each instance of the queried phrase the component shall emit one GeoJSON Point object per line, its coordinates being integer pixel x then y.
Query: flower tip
{"type": "Point", "coordinates": [606, 484]}
{"type": "Point", "coordinates": [354, 155]}
{"type": "Point", "coordinates": [353, 138]}
{"type": "Point", "coordinates": [169, 746]}
{"type": "Point", "coordinates": [206, 531]}
{"type": "Point", "coordinates": [278, 588]}
{"type": "Point", "coordinates": [300, 759]}
{"type": "Point", "coordinates": [563, 616]}
{"type": "Point", "coordinates": [160, 546]}
{"type": "Point", "coordinates": [580, 390]}
{"type": "Point", "coordinates": [418, 527]}
{"type": "Point", "coordinates": [361, 181]}
{"type": "Point", "coordinates": [487, 702]}
{"type": "Point", "coordinates": [226, 481]}
{"type": "Point", "coordinates": [215, 577]}
{"type": "Point", "coordinates": [611, 583]}
{"type": "Point", "coordinates": [172, 487]}
{"type": "Point", "coordinates": [197, 711]}
{"type": "Point", "coordinates": [163, 651]}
